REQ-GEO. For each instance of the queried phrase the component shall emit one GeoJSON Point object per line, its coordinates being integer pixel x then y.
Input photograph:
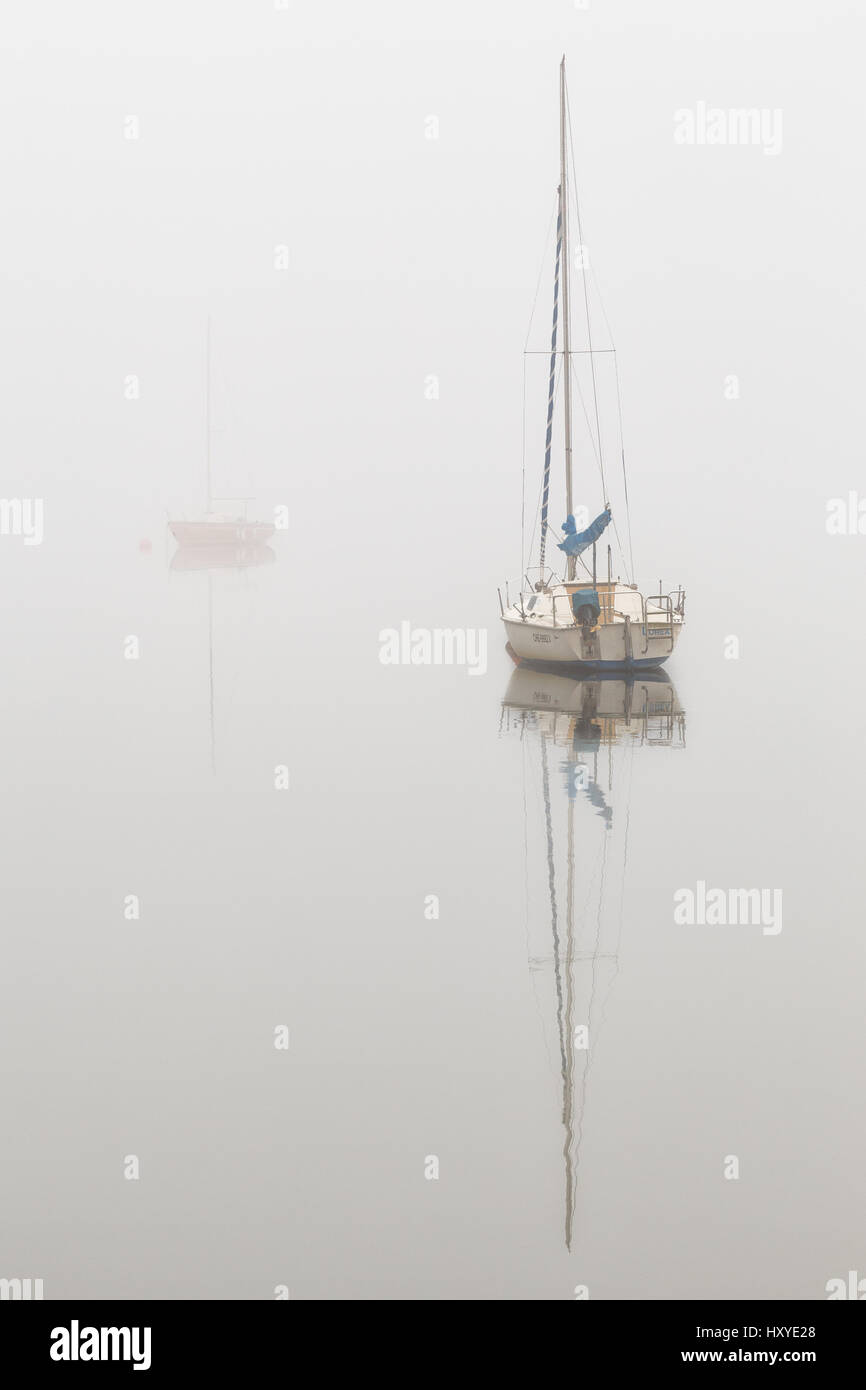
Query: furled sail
{"type": "Point", "coordinates": [577, 541]}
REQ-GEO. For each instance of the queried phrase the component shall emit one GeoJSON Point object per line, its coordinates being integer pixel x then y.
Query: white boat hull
{"type": "Point", "coordinates": [223, 532]}
{"type": "Point", "coordinates": [617, 646]}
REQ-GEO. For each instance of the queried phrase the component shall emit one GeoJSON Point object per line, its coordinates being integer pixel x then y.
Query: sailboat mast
{"type": "Point", "coordinates": [566, 314]}
{"type": "Point", "coordinates": [207, 419]}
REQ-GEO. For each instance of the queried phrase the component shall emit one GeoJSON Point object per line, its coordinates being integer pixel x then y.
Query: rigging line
{"type": "Point", "coordinates": [589, 1013]}
{"type": "Point", "coordinates": [624, 473]}
{"type": "Point", "coordinates": [620, 548]}
{"type": "Point", "coordinates": [585, 290]}
{"type": "Point", "coordinates": [597, 456]}
{"type": "Point", "coordinates": [572, 352]}
{"type": "Point", "coordinates": [541, 489]}
{"type": "Point", "coordinates": [548, 440]}
{"type": "Point", "coordinates": [630, 577]}
{"type": "Point", "coordinates": [523, 480]}
{"type": "Point", "coordinates": [551, 878]}
{"type": "Point", "coordinates": [619, 418]}
{"type": "Point", "coordinates": [616, 950]}
{"type": "Point", "coordinates": [524, 725]}
{"type": "Point", "coordinates": [528, 333]}
{"type": "Point", "coordinates": [624, 855]}
{"type": "Point", "coordinates": [568, 1094]}
{"type": "Point", "coordinates": [586, 418]}
{"type": "Point", "coordinates": [540, 273]}
{"type": "Point", "coordinates": [600, 465]}
{"type": "Point", "coordinates": [523, 751]}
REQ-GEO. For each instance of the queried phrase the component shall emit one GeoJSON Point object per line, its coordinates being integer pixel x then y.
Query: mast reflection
{"type": "Point", "coordinates": [580, 736]}
{"type": "Point", "coordinates": [205, 559]}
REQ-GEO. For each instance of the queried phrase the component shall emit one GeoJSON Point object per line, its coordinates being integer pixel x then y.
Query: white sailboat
{"type": "Point", "coordinates": [582, 620]}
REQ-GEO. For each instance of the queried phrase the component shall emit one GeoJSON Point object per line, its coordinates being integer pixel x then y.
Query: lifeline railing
{"type": "Point", "coordinates": [546, 579]}
{"type": "Point", "coordinates": [665, 603]}
{"type": "Point", "coordinates": [667, 607]}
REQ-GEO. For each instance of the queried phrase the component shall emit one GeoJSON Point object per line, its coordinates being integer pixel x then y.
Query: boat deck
{"type": "Point", "coordinates": [617, 602]}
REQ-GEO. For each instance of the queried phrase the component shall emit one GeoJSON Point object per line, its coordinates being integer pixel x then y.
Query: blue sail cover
{"type": "Point", "coordinates": [577, 541]}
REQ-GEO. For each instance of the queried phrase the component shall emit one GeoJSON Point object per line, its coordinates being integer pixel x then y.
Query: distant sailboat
{"type": "Point", "coordinates": [588, 622]}
{"type": "Point", "coordinates": [225, 527]}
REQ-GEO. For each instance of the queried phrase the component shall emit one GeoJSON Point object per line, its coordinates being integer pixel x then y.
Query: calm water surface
{"type": "Point", "coordinates": [554, 819]}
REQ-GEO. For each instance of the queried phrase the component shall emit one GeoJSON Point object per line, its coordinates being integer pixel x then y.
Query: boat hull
{"type": "Point", "coordinates": [221, 557]}
{"type": "Point", "coordinates": [221, 533]}
{"type": "Point", "coordinates": [615, 647]}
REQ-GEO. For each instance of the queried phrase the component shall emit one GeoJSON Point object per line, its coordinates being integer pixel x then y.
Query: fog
{"type": "Point", "coordinates": [272, 170]}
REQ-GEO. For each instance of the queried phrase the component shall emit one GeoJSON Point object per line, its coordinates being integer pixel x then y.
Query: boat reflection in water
{"type": "Point", "coordinates": [205, 559]}
{"type": "Point", "coordinates": [221, 557]}
{"type": "Point", "coordinates": [580, 736]}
